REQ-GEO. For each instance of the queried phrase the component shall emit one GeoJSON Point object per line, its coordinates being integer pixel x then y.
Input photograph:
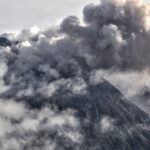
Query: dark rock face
{"type": "Point", "coordinates": [130, 126]}
{"type": "Point", "coordinates": [106, 120]}
{"type": "Point", "coordinates": [4, 42]}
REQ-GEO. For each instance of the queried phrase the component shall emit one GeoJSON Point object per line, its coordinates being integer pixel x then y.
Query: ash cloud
{"type": "Point", "coordinates": [115, 32]}
{"type": "Point", "coordinates": [42, 65]}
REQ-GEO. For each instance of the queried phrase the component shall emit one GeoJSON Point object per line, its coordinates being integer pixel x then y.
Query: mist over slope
{"type": "Point", "coordinates": [52, 82]}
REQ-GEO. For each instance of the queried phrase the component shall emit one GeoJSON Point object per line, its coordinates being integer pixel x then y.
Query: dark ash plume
{"type": "Point", "coordinates": [48, 92]}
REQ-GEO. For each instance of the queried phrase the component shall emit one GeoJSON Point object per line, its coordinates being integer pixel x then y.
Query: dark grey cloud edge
{"type": "Point", "coordinates": [50, 99]}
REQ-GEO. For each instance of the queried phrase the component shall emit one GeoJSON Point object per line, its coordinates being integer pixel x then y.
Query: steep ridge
{"type": "Point", "coordinates": [128, 126]}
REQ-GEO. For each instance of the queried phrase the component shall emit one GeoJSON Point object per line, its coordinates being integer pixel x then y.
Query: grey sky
{"type": "Point", "coordinates": [17, 14]}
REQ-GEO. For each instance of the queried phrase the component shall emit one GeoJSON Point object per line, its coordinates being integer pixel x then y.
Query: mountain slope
{"type": "Point", "coordinates": [108, 121]}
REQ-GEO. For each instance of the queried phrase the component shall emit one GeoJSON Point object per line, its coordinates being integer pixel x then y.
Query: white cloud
{"type": "Point", "coordinates": [11, 109]}
{"type": "Point", "coordinates": [106, 124]}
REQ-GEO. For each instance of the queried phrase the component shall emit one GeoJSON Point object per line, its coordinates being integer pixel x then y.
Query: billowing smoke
{"type": "Point", "coordinates": [39, 65]}
{"type": "Point", "coordinates": [116, 34]}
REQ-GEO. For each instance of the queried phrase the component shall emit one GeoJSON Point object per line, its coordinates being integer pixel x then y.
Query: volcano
{"type": "Point", "coordinates": [108, 121]}
{"type": "Point", "coordinates": [53, 92]}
